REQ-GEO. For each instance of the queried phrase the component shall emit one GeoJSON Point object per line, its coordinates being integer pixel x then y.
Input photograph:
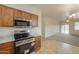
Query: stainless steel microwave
{"type": "Point", "coordinates": [18, 22]}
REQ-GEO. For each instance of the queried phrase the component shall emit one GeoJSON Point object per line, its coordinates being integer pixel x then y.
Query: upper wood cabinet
{"type": "Point", "coordinates": [27, 16]}
{"type": "Point", "coordinates": [18, 14]}
{"type": "Point", "coordinates": [7, 16]}
{"type": "Point", "coordinates": [21, 14]}
{"type": "Point", "coordinates": [34, 19]}
{"type": "Point", "coordinates": [0, 16]}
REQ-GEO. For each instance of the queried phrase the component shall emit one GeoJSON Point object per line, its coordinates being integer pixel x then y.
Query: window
{"type": "Point", "coordinates": [76, 25]}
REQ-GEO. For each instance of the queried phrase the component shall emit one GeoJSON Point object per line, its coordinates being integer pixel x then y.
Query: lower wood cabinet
{"type": "Point", "coordinates": [7, 48]}
{"type": "Point", "coordinates": [37, 43]}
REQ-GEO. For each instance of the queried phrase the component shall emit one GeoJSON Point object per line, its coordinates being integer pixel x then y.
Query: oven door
{"type": "Point", "coordinates": [25, 49]}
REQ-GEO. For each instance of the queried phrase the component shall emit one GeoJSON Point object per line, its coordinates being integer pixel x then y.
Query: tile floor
{"type": "Point", "coordinates": [54, 46]}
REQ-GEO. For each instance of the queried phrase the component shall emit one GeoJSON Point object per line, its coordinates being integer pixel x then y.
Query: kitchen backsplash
{"type": "Point", "coordinates": [7, 34]}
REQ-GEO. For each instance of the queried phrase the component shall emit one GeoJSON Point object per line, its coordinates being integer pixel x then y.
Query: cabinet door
{"type": "Point", "coordinates": [0, 16]}
{"type": "Point", "coordinates": [7, 16]}
{"type": "Point", "coordinates": [27, 16]}
{"type": "Point", "coordinates": [37, 43]}
{"type": "Point", "coordinates": [8, 50]}
{"type": "Point", "coordinates": [18, 14]}
{"type": "Point", "coordinates": [8, 47]}
{"type": "Point", "coordinates": [34, 20]}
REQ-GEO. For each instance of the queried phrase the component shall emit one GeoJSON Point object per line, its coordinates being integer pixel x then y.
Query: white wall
{"type": "Point", "coordinates": [6, 33]}
{"type": "Point", "coordinates": [51, 26]}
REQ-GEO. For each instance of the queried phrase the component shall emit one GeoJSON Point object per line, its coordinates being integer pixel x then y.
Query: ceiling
{"type": "Point", "coordinates": [57, 10]}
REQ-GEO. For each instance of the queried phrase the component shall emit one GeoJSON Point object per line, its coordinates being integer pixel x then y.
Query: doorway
{"type": "Point", "coordinates": [65, 29]}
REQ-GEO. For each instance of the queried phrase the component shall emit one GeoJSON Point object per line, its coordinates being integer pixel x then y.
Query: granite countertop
{"type": "Point", "coordinates": [6, 35]}
{"type": "Point", "coordinates": [4, 39]}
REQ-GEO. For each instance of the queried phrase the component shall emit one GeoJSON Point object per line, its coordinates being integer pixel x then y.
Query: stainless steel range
{"type": "Point", "coordinates": [24, 42]}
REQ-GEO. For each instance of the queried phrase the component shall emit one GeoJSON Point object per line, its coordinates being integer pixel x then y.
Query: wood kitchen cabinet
{"type": "Point", "coordinates": [0, 16]}
{"type": "Point", "coordinates": [34, 19]}
{"type": "Point", "coordinates": [37, 43]}
{"type": "Point", "coordinates": [19, 14]}
{"type": "Point", "coordinates": [7, 16]}
{"type": "Point", "coordinates": [22, 15]}
{"type": "Point", "coordinates": [7, 48]}
{"type": "Point", "coordinates": [27, 16]}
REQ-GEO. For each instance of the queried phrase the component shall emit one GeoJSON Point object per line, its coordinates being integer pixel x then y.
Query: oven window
{"type": "Point", "coordinates": [25, 49]}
